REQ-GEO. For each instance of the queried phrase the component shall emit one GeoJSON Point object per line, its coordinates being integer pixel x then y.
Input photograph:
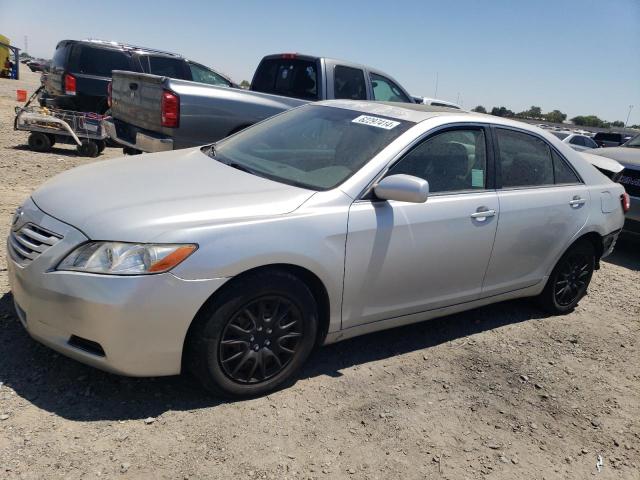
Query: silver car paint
{"type": "Point", "coordinates": [183, 197]}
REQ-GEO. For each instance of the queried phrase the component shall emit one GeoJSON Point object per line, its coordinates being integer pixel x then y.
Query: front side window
{"type": "Point", "coordinates": [349, 83]}
{"type": "Point", "coordinates": [590, 143]}
{"type": "Point", "coordinates": [314, 147]}
{"type": "Point", "coordinates": [203, 74]}
{"type": "Point", "coordinates": [577, 140]}
{"type": "Point", "coordinates": [455, 160]}
{"type": "Point", "coordinates": [384, 90]}
{"type": "Point", "coordinates": [525, 160]}
{"type": "Point", "coordinates": [295, 78]}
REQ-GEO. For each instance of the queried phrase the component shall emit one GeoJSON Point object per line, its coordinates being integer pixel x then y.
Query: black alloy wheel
{"type": "Point", "coordinates": [261, 339]}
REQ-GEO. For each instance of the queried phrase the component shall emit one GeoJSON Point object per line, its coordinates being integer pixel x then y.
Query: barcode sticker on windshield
{"type": "Point", "coordinates": [376, 122]}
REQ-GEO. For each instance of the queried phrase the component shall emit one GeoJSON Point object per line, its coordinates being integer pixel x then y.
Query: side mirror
{"type": "Point", "coordinates": [403, 188]}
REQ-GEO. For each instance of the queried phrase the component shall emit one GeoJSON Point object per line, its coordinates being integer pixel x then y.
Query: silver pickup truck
{"type": "Point", "coordinates": [153, 113]}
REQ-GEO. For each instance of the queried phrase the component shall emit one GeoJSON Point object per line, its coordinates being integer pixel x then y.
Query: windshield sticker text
{"type": "Point", "coordinates": [376, 122]}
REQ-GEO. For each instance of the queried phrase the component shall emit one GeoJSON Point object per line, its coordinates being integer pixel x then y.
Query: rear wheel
{"type": "Point", "coordinates": [40, 142]}
{"type": "Point", "coordinates": [570, 279]}
{"type": "Point", "coordinates": [88, 148]}
{"type": "Point", "coordinates": [254, 336]}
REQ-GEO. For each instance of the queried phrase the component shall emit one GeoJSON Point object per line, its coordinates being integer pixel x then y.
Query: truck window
{"type": "Point", "coordinates": [349, 83]}
{"type": "Point", "coordinates": [60, 56]}
{"type": "Point", "coordinates": [165, 66]}
{"type": "Point", "coordinates": [385, 90]}
{"type": "Point", "coordinates": [202, 74]}
{"type": "Point", "coordinates": [98, 61]}
{"type": "Point", "coordinates": [289, 77]}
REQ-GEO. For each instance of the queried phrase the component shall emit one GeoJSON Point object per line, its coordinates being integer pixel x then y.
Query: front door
{"type": "Point", "coordinates": [404, 258]}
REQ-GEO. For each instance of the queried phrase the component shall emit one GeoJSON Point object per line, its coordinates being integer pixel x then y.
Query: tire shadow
{"type": "Point", "coordinates": [75, 391]}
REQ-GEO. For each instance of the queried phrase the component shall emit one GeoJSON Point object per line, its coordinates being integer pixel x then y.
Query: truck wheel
{"type": "Point", "coordinates": [39, 142]}
{"type": "Point", "coordinates": [52, 138]}
{"type": "Point", "coordinates": [89, 148]}
{"type": "Point", "coordinates": [101, 145]}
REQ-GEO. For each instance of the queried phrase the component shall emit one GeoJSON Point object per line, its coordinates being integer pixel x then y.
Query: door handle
{"type": "Point", "coordinates": [577, 201]}
{"type": "Point", "coordinates": [482, 213]}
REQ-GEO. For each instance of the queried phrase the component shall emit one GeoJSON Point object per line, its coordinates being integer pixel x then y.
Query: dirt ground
{"type": "Point", "coordinates": [500, 392]}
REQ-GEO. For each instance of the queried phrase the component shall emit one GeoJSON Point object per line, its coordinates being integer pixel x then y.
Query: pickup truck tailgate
{"type": "Point", "coordinates": [136, 99]}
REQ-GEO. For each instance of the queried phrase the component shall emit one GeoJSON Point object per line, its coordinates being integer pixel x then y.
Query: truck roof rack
{"type": "Point", "coordinates": [131, 47]}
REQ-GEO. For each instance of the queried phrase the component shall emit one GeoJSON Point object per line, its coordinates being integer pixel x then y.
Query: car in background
{"type": "Point", "coordinates": [38, 65]}
{"type": "Point", "coordinates": [628, 155]}
{"type": "Point", "coordinates": [576, 141]}
{"type": "Point", "coordinates": [332, 220]}
{"type": "Point", "coordinates": [610, 139]}
{"type": "Point", "coordinates": [436, 102]}
{"type": "Point", "coordinates": [80, 72]}
{"type": "Point", "coordinates": [163, 113]}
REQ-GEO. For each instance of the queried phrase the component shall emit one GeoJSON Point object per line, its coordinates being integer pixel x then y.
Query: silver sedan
{"type": "Point", "coordinates": [325, 222]}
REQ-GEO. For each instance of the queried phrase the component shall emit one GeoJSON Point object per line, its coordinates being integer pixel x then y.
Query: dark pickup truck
{"type": "Point", "coordinates": [81, 71]}
{"type": "Point", "coordinates": [154, 113]}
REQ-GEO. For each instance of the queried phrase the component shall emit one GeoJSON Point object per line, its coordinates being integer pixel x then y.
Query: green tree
{"type": "Point", "coordinates": [588, 121]}
{"type": "Point", "coordinates": [556, 116]}
{"type": "Point", "coordinates": [617, 123]}
{"type": "Point", "coordinates": [502, 112]}
{"type": "Point", "coordinates": [244, 84]}
{"type": "Point", "coordinates": [479, 109]}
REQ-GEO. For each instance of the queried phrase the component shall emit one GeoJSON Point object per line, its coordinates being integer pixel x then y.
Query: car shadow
{"type": "Point", "coordinates": [626, 253]}
{"type": "Point", "coordinates": [69, 150]}
{"type": "Point", "coordinates": [75, 391]}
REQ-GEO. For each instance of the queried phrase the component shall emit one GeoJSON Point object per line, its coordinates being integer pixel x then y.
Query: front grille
{"type": "Point", "coordinates": [29, 241]}
{"type": "Point", "coordinates": [630, 180]}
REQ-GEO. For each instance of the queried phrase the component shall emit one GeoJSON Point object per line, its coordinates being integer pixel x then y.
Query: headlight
{"type": "Point", "coordinates": [119, 258]}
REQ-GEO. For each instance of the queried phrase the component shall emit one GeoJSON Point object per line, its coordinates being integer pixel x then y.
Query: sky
{"type": "Point", "coordinates": [579, 56]}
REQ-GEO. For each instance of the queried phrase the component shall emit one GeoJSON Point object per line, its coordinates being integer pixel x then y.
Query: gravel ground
{"type": "Point", "coordinates": [500, 392]}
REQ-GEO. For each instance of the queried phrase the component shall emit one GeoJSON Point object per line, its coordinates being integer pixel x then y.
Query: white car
{"type": "Point", "coordinates": [576, 141]}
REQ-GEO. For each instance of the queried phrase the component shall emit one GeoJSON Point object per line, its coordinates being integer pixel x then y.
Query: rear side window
{"type": "Point", "coordinates": [528, 161]}
{"type": "Point", "coordinates": [525, 160]}
{"type": "Point", "coordinates": [98, 61]}
{"type": "Point", "coordinates": [561, 171]}
{"type": "Point", "coordinates": [384, 90]}
{"type": "Point", "coordinates": [349, 83]}
{"type": "Point", "coordinates": [289, 77]}
{"type": "Point", "coordinates": [203, 74]}
{"type": "Point", "coordinates": [165, 66]}
{"type": "Point", "coordinates": [451, 161]}
{"type": "Point", "coordinates": [590, 143]}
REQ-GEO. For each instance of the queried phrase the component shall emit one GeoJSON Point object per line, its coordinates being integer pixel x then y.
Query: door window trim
{"type": "Point", "coordinates": [498, 164]}
{"type": "Point", "coordinates": [367, 192]}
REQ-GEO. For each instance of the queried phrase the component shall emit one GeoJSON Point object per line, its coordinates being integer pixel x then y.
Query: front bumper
{"type": "Point", "coordinates": [139, 322]}
{"type": "Point", "coordinates": [133, 137]}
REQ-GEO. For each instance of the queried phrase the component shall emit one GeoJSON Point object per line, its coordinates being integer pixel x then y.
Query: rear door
{"type": "Point", "coordinates": [543, 204]}
{"type": "Point", "coordinates": [92, 67]}
{"type": "Point", "coordinates": [53, 80]}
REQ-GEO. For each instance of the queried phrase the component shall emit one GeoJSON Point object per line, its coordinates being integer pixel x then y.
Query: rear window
{"type": "Point", "coordinates": [561, 136]}
{"type": "Point", "coordinates": [164, 66]}
{"type": "Point", "coordinates": [289, 77]}
{"type": "Point", "coordinates": [98, 61]}
{"type": "Point", "coordinates": [60, 57]}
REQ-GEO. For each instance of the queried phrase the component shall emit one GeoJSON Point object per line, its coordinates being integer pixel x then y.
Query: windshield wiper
{"type": "Point", "coordinates": [242, 168]}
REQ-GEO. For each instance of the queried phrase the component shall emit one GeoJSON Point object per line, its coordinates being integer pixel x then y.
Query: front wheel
{"type": "Point", "coordinates": [254, 336]}
{"type": "Point", "coordinates": [570, 279]}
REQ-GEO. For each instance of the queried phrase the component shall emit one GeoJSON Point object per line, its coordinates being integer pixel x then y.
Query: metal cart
{"type": "Point", "coordinates": [49, 125]}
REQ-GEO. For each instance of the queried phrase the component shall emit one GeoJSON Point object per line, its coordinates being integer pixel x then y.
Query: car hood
{"type": "Point", "coordinates": [141, 198]}
{"type": "Point", "coordinates": [624, 155]}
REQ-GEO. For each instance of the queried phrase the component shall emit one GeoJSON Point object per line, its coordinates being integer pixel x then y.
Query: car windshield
{"type": "Point", "coordinates": [634, 142]}
{"type": "Point", "coordinates": [314, 147]}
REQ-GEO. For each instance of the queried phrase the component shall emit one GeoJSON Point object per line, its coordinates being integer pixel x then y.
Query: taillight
{"type": "Point", "coordinates": [109, 89]}
{"type": "Point", "coordinates": [170, 109]}
{"type": "Point", "coordinates": [289, 56]}
{"type": "Point", "coordinates": [69, 84]}
{"type": "Point", "coordinates": [625, 200]}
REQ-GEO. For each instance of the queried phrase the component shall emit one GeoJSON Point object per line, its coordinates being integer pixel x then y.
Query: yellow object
{"type": "Point", "coordinates": [5, 53]}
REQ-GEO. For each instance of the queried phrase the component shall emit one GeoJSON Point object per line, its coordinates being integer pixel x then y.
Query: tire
{"type": "Point", "coordinates": [52, 138]}
{"type": "Point", "coordinates": [101, 145]}
{"type": "Point", "coordinates": [235, 350]}
{"type": "Point", "coordinates": [39, 142]}
{"type": "Point", "coordinates": [89, 148]}
{"type": "Point", "coordinates": [570, 278]}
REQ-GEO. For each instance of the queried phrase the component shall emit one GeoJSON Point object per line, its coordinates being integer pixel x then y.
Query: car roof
{"type": "Point", "coordinates": [416, 113]}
